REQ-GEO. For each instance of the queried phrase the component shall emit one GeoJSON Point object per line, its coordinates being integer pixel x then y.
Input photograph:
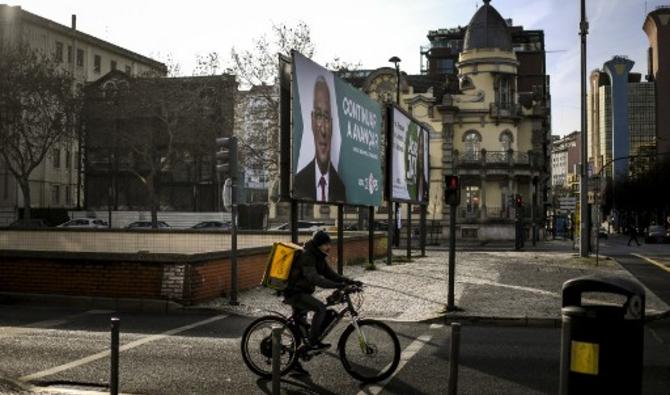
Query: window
{"type": "Point", "coordinates": [5, 189]}
{"type": "Point", "coordinates": [112, 65]}
{"type": "Point", "coordinates": [68, 159]}
{"type": "Point", "coordinates": [68, 199]}
{"type": "Point", "coordinates": [472, 140]}
{"type": "Point", "coordinates": [69, 54]}
{"type": "Point", "coordinates": [472, 199]}
{"type": "Point", "coordinates": [445, 66]}
{"type": "Point", "coordinates": [96, 63]}
{"type": "Point", "coordinates": [56, 158]}
{"type": "Point", "coordinates": [59, 52]}
{"type": "Point", "coordinates": [506, 139]}
{"type": "Point", "coordinates": [504, 91]}
{"type": "Point", "coordinates": [80, 58]}
{"type": "Point", "coordinates": [55, 195]}
{"type": "Point", "coordinates": [128, 70]}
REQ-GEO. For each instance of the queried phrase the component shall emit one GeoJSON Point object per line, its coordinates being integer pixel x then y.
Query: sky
{"type": "Point", "coordinates": [365, 31]}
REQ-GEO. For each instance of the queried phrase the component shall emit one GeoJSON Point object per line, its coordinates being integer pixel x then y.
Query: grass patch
{"type": "Point", "coordinates": [357, 261]}
{"type": "Point", "coordinates": [401, 259]}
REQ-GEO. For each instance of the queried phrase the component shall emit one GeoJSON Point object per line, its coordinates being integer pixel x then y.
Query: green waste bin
{"type": "Point", "coordinates": [602, 344]}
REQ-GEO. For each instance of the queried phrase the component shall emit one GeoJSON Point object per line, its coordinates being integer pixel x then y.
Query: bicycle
{"type": "Point", "coordinates": [368, 349]}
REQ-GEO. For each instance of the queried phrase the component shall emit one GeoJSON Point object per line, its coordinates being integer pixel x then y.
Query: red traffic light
{"type": "Point", "coordinates": [452, 182]}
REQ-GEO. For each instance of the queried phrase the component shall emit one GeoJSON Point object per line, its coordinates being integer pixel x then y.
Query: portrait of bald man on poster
{"type": "Point", "coordinates": [319, 181]}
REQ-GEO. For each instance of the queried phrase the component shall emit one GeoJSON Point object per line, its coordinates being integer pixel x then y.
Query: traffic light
{"type": "Point", "coordinates": [518, 201]}
{"type": "Point", "coordinates": [226, 157]}
{"type": "Point", "coordinates": [452, 190]}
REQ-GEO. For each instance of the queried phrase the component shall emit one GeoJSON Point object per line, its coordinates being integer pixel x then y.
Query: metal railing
{"type": "Point", "coordinates": [497, 158]}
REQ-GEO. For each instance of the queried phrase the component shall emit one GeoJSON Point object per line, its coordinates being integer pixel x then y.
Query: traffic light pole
{"type": "Point", "coordinates": [226, 157]}
{"type": "Point", "coordinates": [452, 257]}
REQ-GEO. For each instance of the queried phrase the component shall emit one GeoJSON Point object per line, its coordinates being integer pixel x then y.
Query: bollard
{"type": "Point", "coordinates": [114, 371]}
{"type": "Point", "coordinates": [276, 362]}
{"type": "Point", "coordinates": [452, 386]}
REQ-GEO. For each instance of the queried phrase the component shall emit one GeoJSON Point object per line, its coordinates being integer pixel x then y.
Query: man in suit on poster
{"type": "Point", "coordinates": [319, 181]}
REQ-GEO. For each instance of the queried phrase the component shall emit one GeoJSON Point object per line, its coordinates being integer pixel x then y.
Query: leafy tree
{"type": "Point", "coordinates": [39, 106]}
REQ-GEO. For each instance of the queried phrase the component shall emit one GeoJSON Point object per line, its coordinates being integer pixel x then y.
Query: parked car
{"type": "Point", "coordinates": [303, 226]}
{"type": "Point", "coordinates": [85, 223]}
{"type": "Point", "coordinates": [213, 225]}
{"type": "Point", "coordinates": [655, 234]}
{"type": "Point", "coordinates": [138, 225]}
{"type": "Point", "coordinates": [28, 224]}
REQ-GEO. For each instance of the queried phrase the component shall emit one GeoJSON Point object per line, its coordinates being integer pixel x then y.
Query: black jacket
{"type": "Point", "coordinates": [304, 185]}
{"type": "Point", "coordinates": [312, 270]}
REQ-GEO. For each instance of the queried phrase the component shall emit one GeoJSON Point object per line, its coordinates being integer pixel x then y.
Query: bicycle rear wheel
{"type": "Point", "coordinates": [257, 346]}
{"type": "Point", "coordinates": [372, 354]}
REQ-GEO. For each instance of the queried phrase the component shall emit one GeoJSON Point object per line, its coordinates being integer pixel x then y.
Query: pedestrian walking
{"type": "Point", "coordinates": [632, 231]}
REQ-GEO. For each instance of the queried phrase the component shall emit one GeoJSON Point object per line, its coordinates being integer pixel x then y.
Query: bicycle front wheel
{"type": "Point", "coordinates": [257, 346]}
{"type": "Point", "coordinates": [370, 353]}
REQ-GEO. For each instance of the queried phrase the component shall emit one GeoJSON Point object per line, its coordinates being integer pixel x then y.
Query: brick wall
{"type": "Point", "coordinates": [182, 278]}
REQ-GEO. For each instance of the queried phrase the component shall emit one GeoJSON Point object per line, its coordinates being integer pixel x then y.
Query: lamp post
{"type": "Point", "coordinates": [393, 216]}
{"type": "Point", "coordinates": [583, 184]}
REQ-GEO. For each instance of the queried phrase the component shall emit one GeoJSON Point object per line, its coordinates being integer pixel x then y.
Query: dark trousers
{"type": "Point", "coordinates": [307, 302]}
{"type": "Point", "coordinates": [633, 236]}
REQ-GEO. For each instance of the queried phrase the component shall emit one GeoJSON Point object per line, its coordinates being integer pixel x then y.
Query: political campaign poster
{"type": "Point", "coordinates": [336, 139]}
{"type": "Point", "coordinates": [409, 159]}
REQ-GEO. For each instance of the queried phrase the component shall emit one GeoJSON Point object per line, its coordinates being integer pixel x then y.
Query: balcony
{"type": "Point", "coordinates": [496, 159]}
{"type": "Point", "coordinates": [499, 111]}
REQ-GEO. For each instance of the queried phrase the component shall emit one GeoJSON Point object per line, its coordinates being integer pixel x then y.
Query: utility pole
{"type": "Point", "coordinates": [583, 183]}
{"type": "Point", "coordinates": [227, 166]}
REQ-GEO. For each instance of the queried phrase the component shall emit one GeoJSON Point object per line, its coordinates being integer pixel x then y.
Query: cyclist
{"type": "Point", "coordinates": [309, 271]}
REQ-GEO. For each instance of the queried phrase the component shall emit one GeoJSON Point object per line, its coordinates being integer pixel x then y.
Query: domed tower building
{"type": "Point", "coordinates": [496, 143]}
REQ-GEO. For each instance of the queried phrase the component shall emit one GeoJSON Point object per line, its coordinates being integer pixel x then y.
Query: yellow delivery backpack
{"type": "Point", "coordinates": [278, 269]}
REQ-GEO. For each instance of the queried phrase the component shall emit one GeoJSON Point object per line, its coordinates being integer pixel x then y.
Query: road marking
{"type": "Point", "coordinates": [653, 262]}
{"type": "Point", "coordinates": [9, 331]}
{"type": "Point", "coordinates": [125, 347]}
{"type": "Point", "coordinates": [405, 356]}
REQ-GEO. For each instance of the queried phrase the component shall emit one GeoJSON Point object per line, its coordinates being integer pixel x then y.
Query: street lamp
{"type": "Point", "coordinates": [396, 233]}
{"type": "Point", "coordinates": [396, 62]}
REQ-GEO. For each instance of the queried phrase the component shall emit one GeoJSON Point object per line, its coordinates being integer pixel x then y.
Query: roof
{"type": "Point", "coordinates": [69, 32]}
{"type": "Point", "coordinates": [487, 29]}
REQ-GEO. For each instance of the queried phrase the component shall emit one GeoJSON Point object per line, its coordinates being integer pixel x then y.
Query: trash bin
{"type": "Point", "coordinates": [602, 345]}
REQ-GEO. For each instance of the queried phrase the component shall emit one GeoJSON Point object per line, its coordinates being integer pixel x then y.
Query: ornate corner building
{"type": "Point", "coordinates": [484, 95]}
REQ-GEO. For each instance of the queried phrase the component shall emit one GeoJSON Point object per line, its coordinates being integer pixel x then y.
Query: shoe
{"type": "Point", "coordinates": [319, 346]}
{"type": "Point", "coordinates": [298, 370]}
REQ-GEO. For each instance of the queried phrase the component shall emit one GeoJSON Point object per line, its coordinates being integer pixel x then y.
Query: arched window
{"type": "Point", "coordinates": [506, 140]}
{"type": "Point", "coordinates": [472, 141]}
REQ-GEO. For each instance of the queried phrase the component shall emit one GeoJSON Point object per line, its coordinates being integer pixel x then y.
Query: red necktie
{"type": "Point", "coordinates": [322, 185]}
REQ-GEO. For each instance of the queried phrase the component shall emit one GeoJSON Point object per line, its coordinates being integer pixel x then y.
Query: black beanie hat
{"type": "Point", "coordinates": [320, 237]}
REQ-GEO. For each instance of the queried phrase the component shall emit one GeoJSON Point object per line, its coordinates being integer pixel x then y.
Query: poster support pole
{"type": "Point", "coordinates": [371, 235]}
{"type": "Point", "coordinates": [294, 221]}
{"type": "Point", "coordinates": [340, 239]}
{"type": "Point", "coordinates": [422, 228]}
{"type": "Point", "coordinates": [409, 231]}
{"type": "Point", "coordinates": [390, 230]}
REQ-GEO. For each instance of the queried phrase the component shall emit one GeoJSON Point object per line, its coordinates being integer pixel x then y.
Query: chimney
{"type": "Point", "coordinates": [74, 22]}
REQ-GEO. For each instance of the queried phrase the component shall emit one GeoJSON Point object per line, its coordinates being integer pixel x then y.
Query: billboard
{"type": "Point", "coordinates": [335, 137]}
{"type": "Point", "coordinates": [409, 158]}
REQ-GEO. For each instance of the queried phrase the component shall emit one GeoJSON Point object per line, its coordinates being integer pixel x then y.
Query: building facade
{"type": "Point", "coordinates": [157, 135]}
{"type": "Point", "coordinates": [657, 28]}
{"type": "Point", "coordinates": [565, 154]}
{"type": "Point", "coordinates": [637, 112]}
{"type": "Point", "coordinates": [58, 182]}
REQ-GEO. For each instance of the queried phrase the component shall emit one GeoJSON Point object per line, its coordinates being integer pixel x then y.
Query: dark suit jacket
{"type": "Point", "coordinates": [304, 186]}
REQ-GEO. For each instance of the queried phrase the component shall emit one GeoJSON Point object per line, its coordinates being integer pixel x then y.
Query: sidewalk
{"type": "Point", "coordinates": [518, 287]}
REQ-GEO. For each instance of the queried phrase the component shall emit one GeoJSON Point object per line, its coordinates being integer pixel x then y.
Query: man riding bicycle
{"type": "Point", "coordinates": [312, 270]}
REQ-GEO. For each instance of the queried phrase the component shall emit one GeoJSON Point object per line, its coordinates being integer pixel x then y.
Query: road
{"type": "Point", "coordinates": [650, 263]}
{"type": "Point", "coordinates": [198, 353]}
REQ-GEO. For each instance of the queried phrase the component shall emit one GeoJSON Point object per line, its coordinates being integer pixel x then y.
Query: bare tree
{"type": "Point", "coordinates": [39, 105]}
{"type": "Point", "coordinates": [209, 64]}
{"type": "Point", "coordinates": [257, 70]}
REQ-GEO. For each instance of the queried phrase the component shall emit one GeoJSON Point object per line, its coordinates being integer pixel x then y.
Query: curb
{"type": "Point", "coordinates": [92, 302]}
